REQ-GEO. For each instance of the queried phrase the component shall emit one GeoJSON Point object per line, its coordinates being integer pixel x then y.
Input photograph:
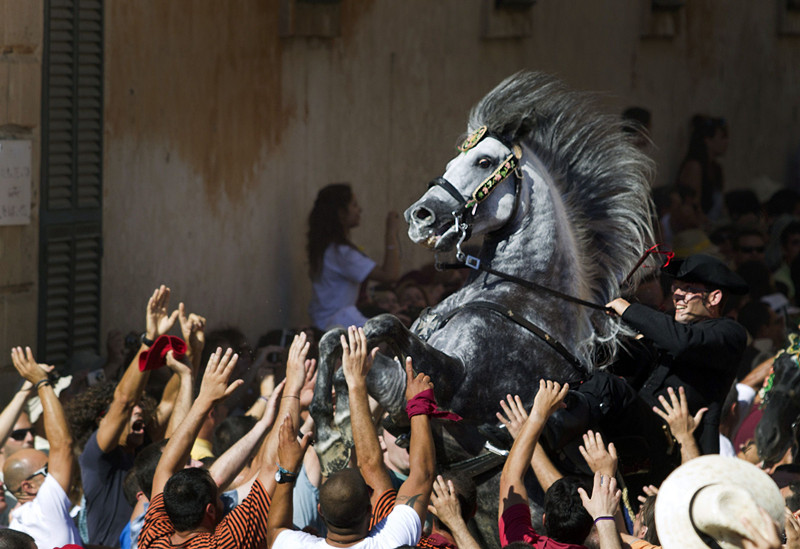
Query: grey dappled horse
{"type": "Point", "coordinates": [561, 198]}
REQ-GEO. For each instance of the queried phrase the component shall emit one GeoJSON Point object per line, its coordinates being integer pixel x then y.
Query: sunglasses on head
{"type": "Point", "coordinates": [20, 434]}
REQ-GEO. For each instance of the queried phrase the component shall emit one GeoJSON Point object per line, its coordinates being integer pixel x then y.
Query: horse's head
{"type": "Point", "coordinates": [775, 431]}
{"type": "Point", "coordinates": [479, 185]}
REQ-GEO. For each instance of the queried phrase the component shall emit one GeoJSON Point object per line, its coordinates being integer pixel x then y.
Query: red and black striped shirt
{"type": "Point", "coordinates": [244, 527]}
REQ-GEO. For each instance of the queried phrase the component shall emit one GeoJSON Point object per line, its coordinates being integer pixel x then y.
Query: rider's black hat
{"type": "Point", "coordinates": [708, 270]}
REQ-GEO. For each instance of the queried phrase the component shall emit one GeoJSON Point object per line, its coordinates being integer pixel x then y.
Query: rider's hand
{"type": "Point", "coordinates": [415, 384]}
{"type": "Point", "coordinates": [549, 398]}
{"type": "Point", "coordinates": [619, 305]}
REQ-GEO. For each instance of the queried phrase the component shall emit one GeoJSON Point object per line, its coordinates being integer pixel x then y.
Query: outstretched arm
{"type": "Point", "coordinates": [356, 363]}
{"type": "Point", "coordinates": [416, 490]}
{"type": "Point", "coordinates": [548, 399]}
{"type": "Point", "coordinates": [213, 389]}
{"type": "Point", "coordinates": [12, 411]}
{"type": "Point", "coordinates": [61, 458]}
{"type": "Point", "coordinates": [132, 384]}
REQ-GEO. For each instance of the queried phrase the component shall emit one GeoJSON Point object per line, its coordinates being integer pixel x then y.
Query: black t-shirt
{"type": "Point", "coordinates": [107, 510]}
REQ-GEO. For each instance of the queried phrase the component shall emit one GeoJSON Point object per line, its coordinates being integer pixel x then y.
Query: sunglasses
{"type": "Point", "coordinates": [42, 471]}
{"type": "Point", "coordinates": [20, 434]}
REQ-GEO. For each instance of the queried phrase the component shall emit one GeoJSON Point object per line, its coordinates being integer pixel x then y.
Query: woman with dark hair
{"type": "Point", "coordinates": [700, 170]}
{"type": "Point", "coordinates": [336, 266]}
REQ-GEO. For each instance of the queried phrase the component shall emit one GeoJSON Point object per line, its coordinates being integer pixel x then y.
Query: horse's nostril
{"type": "Point", "coordinates": [423, 214]}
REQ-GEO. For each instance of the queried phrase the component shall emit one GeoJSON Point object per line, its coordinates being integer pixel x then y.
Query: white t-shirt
{"type": "Point", "coordinates": [335, 291]}
{"type": "Point", "coordinates": [46, 519]}
{"type": "Point", "coordinates": [401, 527]}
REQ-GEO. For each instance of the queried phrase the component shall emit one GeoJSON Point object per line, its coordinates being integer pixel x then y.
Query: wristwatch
{"type": "Point", "coordinates": [282, 476]}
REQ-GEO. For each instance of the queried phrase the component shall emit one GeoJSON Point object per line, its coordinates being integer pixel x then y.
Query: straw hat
{"type": "Point", "coordinates": [707, 496]}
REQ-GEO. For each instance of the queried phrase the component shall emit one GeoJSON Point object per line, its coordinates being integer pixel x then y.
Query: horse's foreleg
{"type": "Point", "coordinates": [445, 371]}
{"type": "Point", "coordinates": [331, 445]}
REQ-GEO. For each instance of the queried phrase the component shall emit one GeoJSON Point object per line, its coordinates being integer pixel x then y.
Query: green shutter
{"type": "Point", "coordinates": [70, 251]}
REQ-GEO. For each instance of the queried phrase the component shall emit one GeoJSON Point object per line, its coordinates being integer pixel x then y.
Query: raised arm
{"type": "Point", "coordinates": [12, 411]}
{"type": "Point", "coordinates": [130, 388]}
{"type": "Point", "coordinates": [183, 399]}
{"type": "Point", "coordinates": [514, 417]}
{"type": "Point", "coordinates": [681, 423]}
{"type": "Point", "coordinates": [390, 269]}
{"type": "Point", "coordinates": [298, 371]}
{"type": "Point", "coordinates": [61, 458]}
{"type": "Point", "coordinates": [229, 464]}
{"type": "Point", "coordinates": [290, 457]}
{"type": "Point", "coordinates": [213, 389]}
{"type": "Point", "coordinates": [356, 363]}
{"type": "Point", "coordinates": [548, 399]}
{"type": "Point", "coordinates": [416, 490]}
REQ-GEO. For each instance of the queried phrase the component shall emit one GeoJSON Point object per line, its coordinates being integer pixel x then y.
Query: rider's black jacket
{"type": "Point", "coordinates": [702, 357]}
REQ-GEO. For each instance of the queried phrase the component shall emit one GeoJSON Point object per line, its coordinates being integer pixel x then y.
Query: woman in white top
{"type": "Point", "coordinates": [336, 266]}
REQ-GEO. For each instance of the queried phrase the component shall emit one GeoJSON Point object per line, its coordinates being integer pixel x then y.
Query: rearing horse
{"type": "Point", "coordinates": [562, 199]}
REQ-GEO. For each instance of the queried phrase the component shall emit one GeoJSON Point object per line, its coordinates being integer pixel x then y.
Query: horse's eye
{"type": "Point", "coordinates": [483, 163]}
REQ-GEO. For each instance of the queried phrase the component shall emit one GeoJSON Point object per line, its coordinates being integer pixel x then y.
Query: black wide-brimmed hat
{"type": "Point", "coordinates": [708, 270]}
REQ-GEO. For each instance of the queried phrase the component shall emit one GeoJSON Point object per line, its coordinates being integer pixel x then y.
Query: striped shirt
{"type": "Point", "coordinates": [384, 506]}
{"type": "Point", "coordinates": [244, 527]}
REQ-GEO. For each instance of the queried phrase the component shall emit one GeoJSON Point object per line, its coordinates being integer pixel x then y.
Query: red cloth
{"type": "Point", "coordinates": [156, 356]}
{"type": "Point", "coordinates": [515, 525]}
{"type": "Point", "coordinates": [425, 404]}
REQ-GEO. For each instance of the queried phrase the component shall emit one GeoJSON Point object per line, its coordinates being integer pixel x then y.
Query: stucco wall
{"type": "Point", "coordinates": [20, 97]}
{"type": "Point", "coordinates": [219, 132]}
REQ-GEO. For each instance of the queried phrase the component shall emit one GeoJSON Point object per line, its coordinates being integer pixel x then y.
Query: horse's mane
{"type": "Point", "coordinates": [604, 179]}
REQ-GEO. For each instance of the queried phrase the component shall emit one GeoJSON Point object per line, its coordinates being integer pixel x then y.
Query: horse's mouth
{"type": "Point", "coordinates": [442, 239]}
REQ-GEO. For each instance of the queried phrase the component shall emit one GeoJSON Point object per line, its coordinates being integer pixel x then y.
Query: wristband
{"type": "Point", "coordinates": [262, 397]}
{"type": "Point", "coordinates": [291, 396]}
{"type": "Point", "coordinates": [603, 518]}
{"type": "Point", "coordinates": [145, 340]}
{"type": "Point", "coordinates": [425, 404]}
{"type": "Point", "coordinates": [41, 382]}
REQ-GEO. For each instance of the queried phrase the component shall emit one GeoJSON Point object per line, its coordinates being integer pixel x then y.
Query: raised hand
{"type": "Point", "coordinates": [415, 384]}
{"type": "Point", "coordinates": [158, 318]}
{"type": "Point", "coordinates": [444, 502]}
{"type": "Point", "coordinates": [193, 330]}
{"type": "Point", "coordinates": [27, 366]}
{"type": "Point", "coordinates": [676, 414]}
{"type": "Point", "coordinates": [649, 490]}
{"type": "Point", "coordinates": [298, 368]}
{"type": "Point", "coordinates": [598, 458]}
{"type": "Point", "coordinates": [792, 527]}
{"type": "Point", "coordinates": [549, 398]}
{"type": "Point", "coordinates": [762, 532]}
{"type": "Point", "coordinates": [290, 450]}
{"type": "Point", "coordinates": [356, 358]}
{"type": "Point", "coordinates": [214, 386]}
{"type": "Point", "coordinates": [177, 366]}
{"type": "Point", "coordinates": [515, 415]}
{"type": "Point", "coordinates": [605, 497]}
{"type": "Point", "coordinates": [271, 411]}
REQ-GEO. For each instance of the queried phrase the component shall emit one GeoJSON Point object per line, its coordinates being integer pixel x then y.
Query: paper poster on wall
{"type": "Point", "coordinates": [15, 182]}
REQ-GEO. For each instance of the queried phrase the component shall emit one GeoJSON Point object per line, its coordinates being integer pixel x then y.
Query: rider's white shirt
{"type": "Point", "coordinates": [401, 527]}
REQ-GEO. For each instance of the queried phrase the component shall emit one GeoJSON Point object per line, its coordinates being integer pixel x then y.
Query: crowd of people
{"type": "Point", "coordinates": [202, 441]}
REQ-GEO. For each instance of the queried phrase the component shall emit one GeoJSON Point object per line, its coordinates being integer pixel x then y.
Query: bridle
{"type": "Point", "coordinates": [465, 212]}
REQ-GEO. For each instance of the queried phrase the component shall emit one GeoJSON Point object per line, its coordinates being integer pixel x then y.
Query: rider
{"type": "Point", "coordinates": [697, 349]}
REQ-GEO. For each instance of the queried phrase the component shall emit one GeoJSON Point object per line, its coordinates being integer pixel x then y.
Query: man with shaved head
{"type": "Point", "coordinates": [41, 484]}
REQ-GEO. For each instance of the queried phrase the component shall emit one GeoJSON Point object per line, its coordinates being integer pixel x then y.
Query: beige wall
{"type": "Point", "coordinates": [20, 92]}
{"type": "Point", "coordinates": [219, 132]}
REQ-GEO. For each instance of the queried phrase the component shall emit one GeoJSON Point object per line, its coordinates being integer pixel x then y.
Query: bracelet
{"type": "Point", "coordinates": [41, 382]}
{"type": "Point", "coordinates": [603, 518]}
{"type": "Point", "coordinates": [262, 397]}
{"type": "Point", "coordinates": [291, 396]}
{"type": "Point", "coordinates": [147, 341]}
